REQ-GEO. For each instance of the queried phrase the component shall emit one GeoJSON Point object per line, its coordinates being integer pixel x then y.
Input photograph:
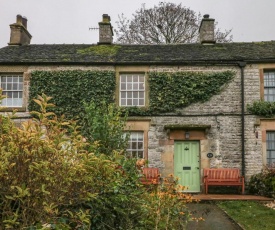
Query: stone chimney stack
{"type": "Point", "coordinates": [105, 30]}
{"type": "Point", "coordinates": [19, 34]}
{"type": "Point", "coordinates": [206, 31]}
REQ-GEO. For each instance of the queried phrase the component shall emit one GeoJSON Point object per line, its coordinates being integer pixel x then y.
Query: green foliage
{"type": "Point", "coordinates": [263, 183]}
{"type": "Point", "coordinates": [70, 89]}
{"type": "Point", "coordinates": [50, 181]}
{"type": "Point", "coordinates": [106, 50]}
{"type": "Point", "coordinates": [249, 214]}
{"type": "Point", "coordinates": [262, 108]}
{"type": "Point", "coordinates": [167, 91]}
{"type": "Point", "coordinates": [47, 177]}
{"type": "Point", "coordinates": [166, 206]}
{"type": "Point", "coordinates": [105, 124]}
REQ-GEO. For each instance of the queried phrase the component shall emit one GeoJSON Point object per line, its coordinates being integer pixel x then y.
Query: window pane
{"type": "Point", "coordinates": [129, 86]}
{"type": "Point", "coordinates": [9, 79]}
{"type": "Point", "coordinates": [123, 102]}
{"type": "Point", "coordinates": [141, 86]}
{"type": "Point", "coordinates": [135, 94]}
{"type": "Point", "coordinates": [123, 86]}
{"type": "Point", "coordinates": [135, 78]}
{"type": "Point", "coordinates": [141, 101]}
{"type": "Point", "coordinates": [123, 94]}
{"type": "Point", "coordinates": [129, 102]}
{"type": "Point", "coordinates": [135, 102]}
{"type": "Point", "coordinates": [123, 78]}
{"type": "Point", "coordinates": [133, 84]}
{"type": "Point", "coordinates": [9, 85]}
{"type": "Point", "coordinates": [140, 154]}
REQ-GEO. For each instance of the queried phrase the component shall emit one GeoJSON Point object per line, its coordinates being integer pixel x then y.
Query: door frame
{"type": "Point", "coordinates": [199, 158]}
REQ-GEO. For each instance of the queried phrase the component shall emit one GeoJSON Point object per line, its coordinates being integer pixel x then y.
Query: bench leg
{"type": "Point", "coordinates": [206, 188]}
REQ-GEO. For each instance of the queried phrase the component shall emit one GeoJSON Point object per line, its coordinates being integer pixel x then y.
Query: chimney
{"type": "Point", "coordinates": [19, 33]}
{"type": "Point", "coordinates": [206, 31]}
{"type": "Point", "coordinates": [105, 30]}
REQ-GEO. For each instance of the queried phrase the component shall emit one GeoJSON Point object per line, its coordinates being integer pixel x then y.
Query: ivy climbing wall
{"type": "Point", "coordinates": [177, 95]}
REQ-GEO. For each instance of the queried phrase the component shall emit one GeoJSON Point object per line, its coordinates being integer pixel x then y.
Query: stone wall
{"type": "Point", "coordinates": [223, 113]}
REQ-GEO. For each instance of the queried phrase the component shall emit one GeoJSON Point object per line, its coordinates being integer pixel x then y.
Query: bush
{"type": "Point", "coordinates": [49, 180]}
{"type": "Point", "coordinates": [262, 108]}
{"type": "Point", "coordinates": [263, 183]}
{"type": "Point", "coordinates": [47, 177]}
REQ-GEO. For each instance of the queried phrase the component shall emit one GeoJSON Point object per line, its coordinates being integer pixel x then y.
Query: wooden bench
{"type": "Point", "coordinates": [150, 176]}
{"type": "Point", "coordinates": [222, 177]}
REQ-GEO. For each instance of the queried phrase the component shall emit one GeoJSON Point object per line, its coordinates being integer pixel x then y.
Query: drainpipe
{"type": "Point", "coordinates": [242, 66]}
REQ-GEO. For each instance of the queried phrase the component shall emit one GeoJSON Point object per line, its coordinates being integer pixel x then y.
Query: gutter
{"type": "Point", "coordinates": [242, 66]}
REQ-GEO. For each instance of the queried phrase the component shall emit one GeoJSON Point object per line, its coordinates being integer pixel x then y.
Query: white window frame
{"type": "Point", "coordinates": [132, 90]}
{"type": "Point", "coordinates": [269, 86]}
{"type": "Point", "coordinates": [270, 147]}
{"type": "Point", "coordinates": [135, 148]}
{"type": "Point", "coordinates": [12, 87]}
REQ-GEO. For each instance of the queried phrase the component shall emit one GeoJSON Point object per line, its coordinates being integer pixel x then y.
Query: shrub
{"type": "Point", "coordinates": [263, 183]}
{"type": "Point", "coordinates": [47, 177]}
{"type": "Point", "coordinates": [166, 206]}
{"type": "Point", "coordinates": [104, 124]}
{"type": "Point", "coordinates": [49, 180]}
{"type": "Point", "coordinates": [262, 108]}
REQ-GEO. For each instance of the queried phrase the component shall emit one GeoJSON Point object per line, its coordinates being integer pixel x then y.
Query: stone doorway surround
{"type": "Point", "coordinates": [190, 132]}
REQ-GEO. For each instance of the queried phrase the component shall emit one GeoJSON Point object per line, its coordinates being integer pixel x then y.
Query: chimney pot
{"type": "Point", "coordinates": [18, 19]}
{"type": "Point", "coordinates": [106, 18]}
{"type": "Point", "coordinates": [24, 22]}
{"type": "Point", "coordinates": [206, 16]}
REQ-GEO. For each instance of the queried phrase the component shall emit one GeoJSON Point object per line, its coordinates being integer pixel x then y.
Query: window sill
{"type": "Point", "coordinates": [11, 109]}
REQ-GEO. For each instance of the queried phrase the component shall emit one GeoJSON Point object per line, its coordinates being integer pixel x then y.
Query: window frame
{"type": "Point", "coordinates": [132, 91]}
{"type": "Point", "coordinates": [265, 74]}
{"type": "Point", "coordinates": [136, 141]}
{"type": "Point", "coordinates": [19, 90]}
{"type": "Point", "coordinates": [270, 160]}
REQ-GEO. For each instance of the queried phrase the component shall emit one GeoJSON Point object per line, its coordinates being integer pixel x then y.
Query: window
{"type": "Point", "coordinates": [269, 86]}
{"type": "Point", "coordinates": [136, 145]}
{"type": "Point", "coordinates": [12, 86]}
{"type": "Point", "coordinates": [132, 90]}
{"type": "Point", "coordinates": [270, 148]}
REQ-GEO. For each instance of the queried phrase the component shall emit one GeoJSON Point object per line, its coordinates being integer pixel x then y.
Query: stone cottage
{"type": "Point", "coordinates": [189, 100]}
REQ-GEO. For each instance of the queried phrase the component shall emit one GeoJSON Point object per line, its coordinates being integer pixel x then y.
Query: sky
{"type": "Point", "coordinates": [68, 21]}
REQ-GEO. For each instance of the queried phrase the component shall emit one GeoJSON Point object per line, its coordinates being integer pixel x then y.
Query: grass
{"type": "Point", "coordinates": [250, 215]}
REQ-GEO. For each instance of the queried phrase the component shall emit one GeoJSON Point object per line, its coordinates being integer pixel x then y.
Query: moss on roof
{"type": "Point", "coordinates": [102, 50]}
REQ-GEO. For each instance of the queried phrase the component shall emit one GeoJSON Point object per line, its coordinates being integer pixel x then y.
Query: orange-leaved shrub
{"type": "Point", "coordinates": [50, 179]}
{"type": "Point", "coordinates": [46, 174]}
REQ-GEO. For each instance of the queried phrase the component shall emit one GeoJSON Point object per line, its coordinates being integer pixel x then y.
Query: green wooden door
{"type": "Point", "coordinates": [187, 164]}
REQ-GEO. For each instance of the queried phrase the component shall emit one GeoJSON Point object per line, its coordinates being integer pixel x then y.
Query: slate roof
{"type": "Point", "coordinates": [255, 52]}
